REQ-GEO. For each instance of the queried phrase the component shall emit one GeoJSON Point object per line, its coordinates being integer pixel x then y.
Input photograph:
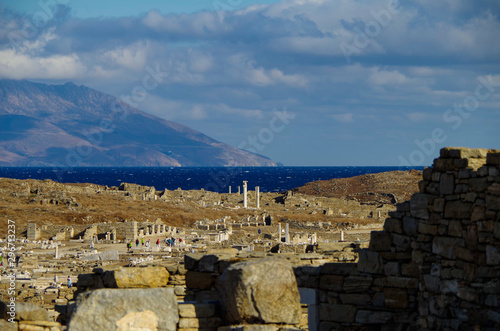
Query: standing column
{"type": "Point", "coordinates": [229, 189]}
{"type": "Point", "coordinates": [245, 189]}
{"type": "Point", "coordinates": [57, 253]}
{"type": "Point", "coordinates": [257, 196]}
{"type": "Point", "coordinates": [287, 233]}
{"type": "Point", "coordinates": [239, 190]}
{"type": "Point", "coordinates": [279, 232]}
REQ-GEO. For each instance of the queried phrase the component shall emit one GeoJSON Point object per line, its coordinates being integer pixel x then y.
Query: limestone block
{"type": "Point", "coordinates": [380, 241]}
{"type": "Point", "coordinates": [199, 323]}
{"type": "Point", "coordinates": [198, 310]}
{"type": "Point", "coordinates": [425, 228]}
{"type": "Point", "coordinates": [344, 269]}
{"type": "Point", "coordinates": [370, 262]}
{"type": "Point", "coordinates": [373, 317]}
{"type": "Point", "coordinates": [249, 327]}
{"type": "Point", "coordinates": [455, 228]}
{"type": "Point", "coordinates": [447, 183]}
{"type": "Point", "coordinates": [331, 282]}
{"type": "Point", "coordinates": [391, 268]}
{"type": "Point", "coordinates": [393, 225]}
{"type": "Point", "coordinates": [249, 290]}
{"type": "Point", "coordinates": [420, 205]}
{"type": "Point", "coordinates": [112, 309]}
{"type": "Point", "coordinates": [444, 246]}
{"type": "Point", "coordinates": [30, 312]}
{"type": "Point", "coordinates": [458, 210]}
{"type": "Point", "coordinates": [337, 312]}
{"type": "Point", "coordinates": [431, 283]}
{"type": "Point", "coordinates": [478, 184]}
{"type": "Point", "coordinates": [494, 189]}
{"type": "Point", "coordinates": [398, 282]}
{"type": "Point", "coordinates": [200, 280]}
{"type": "Point", "coordinates": [492, 255]}
{"type": "Point", "coordinates": [192, 260]}
{"type": "Point", "coordinates": [8, 326]}
{"type": "Point", "coordinates": [493, 158]}
{"type": "Point", "coordinates": [396, 298]}
{"type": "Point", "coordinates": [355, 299]}
{"type": "Point", "coordinates": [109, 256]}
{"type": "Point", "coordinates": [357, 284]}
{"type": "Point", "coordinates": [463, 152]}
{"type": "Point", "coordinates": [139, 277]}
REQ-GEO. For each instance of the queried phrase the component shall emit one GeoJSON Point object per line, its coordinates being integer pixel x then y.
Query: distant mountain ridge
{"type": "Point", "coordinates": [70, 125]}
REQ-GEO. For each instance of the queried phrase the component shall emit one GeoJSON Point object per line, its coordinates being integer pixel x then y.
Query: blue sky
{"type": "Point", "coordinates": [305, 82]}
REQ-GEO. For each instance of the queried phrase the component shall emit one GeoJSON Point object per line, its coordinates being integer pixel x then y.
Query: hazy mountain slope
{"type": "Point", "coordinates": [70, 125]}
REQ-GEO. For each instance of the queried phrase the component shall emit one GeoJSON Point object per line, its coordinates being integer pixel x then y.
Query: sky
{"type": "Point", "coordinates": [304, 82]}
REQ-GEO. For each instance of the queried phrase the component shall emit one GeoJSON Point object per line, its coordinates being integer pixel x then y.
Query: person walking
{"type": "Point", "coordinates": [92, 246]}
{"type": "Point", "coordinates": [137, 242]}
{"type": "Point", "coordinates": [69, 282]}
{"type": "Point", "coordinates": [142, 241]}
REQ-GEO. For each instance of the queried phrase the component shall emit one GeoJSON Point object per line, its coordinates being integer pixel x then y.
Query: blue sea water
{"type": "Point", "coordinates": [218, 179]}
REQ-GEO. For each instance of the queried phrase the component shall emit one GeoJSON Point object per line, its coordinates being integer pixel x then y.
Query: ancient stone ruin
{"type": "Point", "coordinates": [434, 266]}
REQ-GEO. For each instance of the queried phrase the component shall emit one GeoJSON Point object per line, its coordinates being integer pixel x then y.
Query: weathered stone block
{"type": "Point", "coordinates": [199, 323]}
{"type": "Point", "coordinates": [420, 205]}
{"type": "Point", "coordinates": [139, 277]}
{"type": "Point", "coordinates": [463, 152]}
{"type": "Point", "coordinates": [356, 284]}
{"type": "Point", "coordinates": [396, 298]}
{"type": "Point", "coordinates": [112, 309]}
{"type": "Point", "coordinates": [370, 262]}
{"type": "Point", "coordinates": [391, 268]}
{"type": "Point", "coordinates": [337, 313]}
{"type": "Point", "coordinates": [393, 225]}
{"type": "Point", "coordinates": [493, 158]}
{"type": "Point", "coordinates": [397, 282]}
{"type": "Point", "coordinates": [439, 205]}
{"type": "Point", "coordinates": [249, 290]}
{"type": "Point", "coordinates": [200, 280]}
{"type": "Point", "coordinates": [455, 228]}
{"type": "Point", "coordinates": [30, 312]}
{"type": "Point", "coordinates": [444, 246]}
{"type": "Point", "coordinates": [425, 228]}
{"type": "Point", "coordinates": [492, 255]}
{"type": "Point", "coordinates": [355, 299]}
{"type": "Point", "coordinates": [431, 283]}
{"type": "Point", "coordinates": [192, 261]}
{"type": "Point", "coordinates": [447, 183]}
{"type": "Point", "coordinates": [478, 184]}
{"type": "Point", "coordinates": [410, 226]}
{"type": "Point", "coordinates": [331, 282]}
{"type": "Point", "coordinates": [380, 241]}
{"type": "Point", "coordinates": [198, 310]}
{"type": "Point", "coordinates": [373, 317]}
{"type": "Point", "coordinates": [458, 209]}
{"type": "Point", "coordinates": [345, 269]}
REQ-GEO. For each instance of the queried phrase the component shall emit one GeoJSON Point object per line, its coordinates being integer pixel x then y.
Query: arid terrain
{"type": "Point", "coordinates": [355, 200]}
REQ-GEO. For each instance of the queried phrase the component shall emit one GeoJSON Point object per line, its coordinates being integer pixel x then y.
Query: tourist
{"type": "Point", "coordinates": [260, 231]}
{"type": "Point", "coordinates": [1, 259]}
{"type": "Point", "coordinates": [92, 246]}
{"type": "Point", "coordinates": [17, 260]}
{"type": "Point", "coordinates": [129, 246]}
{"type": "Point", "coordinates": [55, 279]}
{"type": "Point", "coordinates": [137, 242]}
{"type": "Point", "coordinates": [142, 241]}
{"type": "Point", "coordinates": [158, 242]}
{"type": "Point", "coordinates": [69, 282]}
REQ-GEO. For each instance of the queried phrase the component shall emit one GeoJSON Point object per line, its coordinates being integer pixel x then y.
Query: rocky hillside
{"type": "Point", "coordinates": [70, 125]}
{"type": "Point", "coordinates": [385, 187]}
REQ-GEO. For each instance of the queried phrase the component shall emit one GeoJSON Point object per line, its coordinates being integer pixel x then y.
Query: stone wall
{"type": "Point", "coordinates": [436, 264]}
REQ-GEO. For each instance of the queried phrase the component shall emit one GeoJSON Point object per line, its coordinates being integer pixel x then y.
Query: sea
{"type": "Point", "coordinates": [216, 179]}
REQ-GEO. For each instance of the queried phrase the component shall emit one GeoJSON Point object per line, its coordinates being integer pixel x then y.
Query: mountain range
{"type": "Point", "coordinates": [70, 125]}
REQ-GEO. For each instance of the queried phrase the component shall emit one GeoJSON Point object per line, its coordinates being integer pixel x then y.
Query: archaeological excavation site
{"type": "Point", "coordinates": [88, 257]}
